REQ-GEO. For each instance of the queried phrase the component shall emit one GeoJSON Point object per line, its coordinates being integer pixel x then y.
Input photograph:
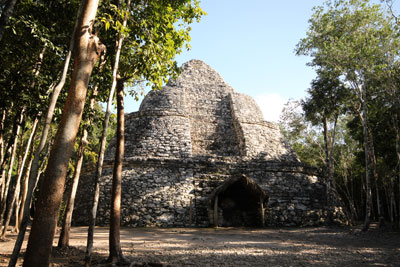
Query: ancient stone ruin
{"type": "Point", "coordinates": [200, 154]}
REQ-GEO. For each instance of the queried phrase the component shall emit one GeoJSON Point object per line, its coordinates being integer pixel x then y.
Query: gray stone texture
{"type": "Point", "coordinates": [190, 137]}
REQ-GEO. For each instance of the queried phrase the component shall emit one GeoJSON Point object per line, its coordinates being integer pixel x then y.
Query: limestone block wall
{"type": "Point", "coordinates": [209, 111]}
{"type": "Point", "coordinates": [257, 138]}
{"type": "Point", "coordinates": [201, 94]}
{"type": "Point", "coordinates": [154, 193]}
{"type": "Point", "coordinates": [211, 127]}
{"type": "Point", "coordinates": [169, 98]}
{"type": "Point", "coordinates": [196, 73]}
{"type": "Point", "coordinates": [166, 193]}
{"type": "Point", "coordinates": [155, 134]}
{"type": "Point", "coordinates": [296, 194]}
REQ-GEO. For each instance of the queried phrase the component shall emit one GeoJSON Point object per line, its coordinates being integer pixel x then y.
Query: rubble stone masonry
{"type": "Point", "coordinates": [190, 137]}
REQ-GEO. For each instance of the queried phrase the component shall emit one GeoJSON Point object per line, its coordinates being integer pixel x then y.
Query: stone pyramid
{"type": "Point", "coordinates": [197, 154]}
{"type": "Point", "coordinates": [199, 115]}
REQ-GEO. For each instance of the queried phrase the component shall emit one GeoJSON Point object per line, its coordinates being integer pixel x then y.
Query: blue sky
{"type": "Point", "coordinates": [251, 44]}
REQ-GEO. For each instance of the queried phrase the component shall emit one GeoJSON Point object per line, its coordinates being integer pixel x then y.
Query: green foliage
{"type": "Point", "coordinates": [354, 46]}
{"type": "Point", "coordinates": [35, 28]}
{"type": "Point", "coordinates": [351, 38]}
{"type": "Point", "coordinates": [326, 99]}
{"type": "Point", "coordinates": [305, 139]}
{"type": "Point", "coordinates": [156, 31]}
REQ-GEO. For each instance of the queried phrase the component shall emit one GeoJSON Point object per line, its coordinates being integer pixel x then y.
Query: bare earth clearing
{"type": "Point", "coordinates": [317, 246]}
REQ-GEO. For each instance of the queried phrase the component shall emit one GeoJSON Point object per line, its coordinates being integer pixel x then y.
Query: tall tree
{"type": "Point", "coordinates": [3, 205]}
{"type": "Point", "coordinates": [88, 49]}
{"type": "Point", "coordinates": [353, 39]}
{"type": "Point", "coordinates": [63, 240]}
{"type": "Point", "coordinates": [323, 106]}
{"type": "Point", "coordinates": [34, 169]}
{"type": "Point", "coordinates": [14, 197]}
{"type": "Point", "coordinates": [156, 31]}
{"type": "Point", "coordinates": [115, 250]}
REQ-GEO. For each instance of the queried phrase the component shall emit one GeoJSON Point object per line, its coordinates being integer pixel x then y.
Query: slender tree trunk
{"type": "Point", "coordinates": [329, 143]}
{"type": "Point", "coordinates": [395, 121]}
{"type": "Point", "coordinates": [10, 143]}
{"type": "Point", "coordinates": [88, 48]}
{"type": "Point", "coordinates": [10, 169]}
{"type": "Point", "coordinates": [5, 16]}
{"type": "Point", "coordinates": [20, 169]}
{"type": "Point", "coordinates": [368, 199]}
{"type": "Point", "coordinates": [18, 182]}
{"type": "Point", "coordinates": [3, 187]}
{"type": "Point", "coordinates": [2, 177]}
{"type": "Point", "coordinates": [347, 191]}
{"type": "Point", "coordinates": [63, 240]}
{"type": "Point", "coordinates": [3, 118]}
{"type": "Point", "coordinates": [388, 194]}
{"type": "Point", "coordinates": [34, 173]}
{"type": "Point", "coordinates": [376, 178]}
{"type": "Point", "coordinates": [390, 200]}
{"type": "Point", "coordinates": [114, 238]}
{"type": "Point", "coordinates": [24, 191]}
{"type": "Point", "coordinates": [99, 170]}
{"type": "Point", "coordinates": [36, 71]}
{"type": "Point", "coordinates": [327, 164]}
{"type": "Point", "coordinates": [331, 148]}
{"type": "Point", "coordinates": [99, 166]}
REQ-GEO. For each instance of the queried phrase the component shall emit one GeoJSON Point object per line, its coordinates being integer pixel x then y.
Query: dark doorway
{"type": "Point", "coordinates": [239, 201]}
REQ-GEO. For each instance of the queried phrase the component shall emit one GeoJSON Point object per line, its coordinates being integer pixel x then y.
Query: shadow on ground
{"type": "Point", "coordinates": [315, 246]}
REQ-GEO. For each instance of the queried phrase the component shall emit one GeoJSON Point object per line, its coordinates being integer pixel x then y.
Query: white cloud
{"type": "Point", "coordinates": [271, 105]}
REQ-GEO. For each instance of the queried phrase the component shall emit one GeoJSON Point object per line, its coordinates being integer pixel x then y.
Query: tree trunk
{"type": "Point", "coordinates": [327, 164]}
{"type": "Point", "coordinates": [114, 238]}
{"type": "Point", "coordinates": [99, 170]}
{"type": "Point", "coordinates": [395, 121]}
{"type": "Point", "coordinates": [3, 118]}
{"type": "Point", "coordinates": [329, 143]}
{"type": "Point", "coordinates": [99, 165]}
{"type": "Point", "coordinates": [24, 191]}
{"type": "Point", "coordinates": [20, 170]}
{"type": "Point", "coordinates": [368, 199]}
{"type": "Point", "coordinates": [331, 161]}
{"type": "Point", "coordinates": [10, 169]}
{"type": "Point", "coordinates": [2, 173]}
{"type": "Point", "coordinates": [88, 48]}
{"type": "Point", "coordinates": [36, 71]}
{"type": "Point", "coordinates": [347, 191]}
{"type": "Point", "coordinates": [18, 182]}
{"type": "Point", "coordinates": [5, 16]}
{"type": "Point", "coordinates": [63, 240]}
{"type": "Point", "coordinates": [3, 187]}
{"type": "Point", "coordinates": [34, 172]}
{"type": "Point", "coordinates": [9, 147]}
{"type": "Point", "coordinates": [381, 219]}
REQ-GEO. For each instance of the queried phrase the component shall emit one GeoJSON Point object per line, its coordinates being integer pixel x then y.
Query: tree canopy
{"type": "Point", "coordinates": [354, 47]}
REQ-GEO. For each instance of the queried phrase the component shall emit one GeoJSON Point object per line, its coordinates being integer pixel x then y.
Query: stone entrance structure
{"type": "Point", "coordinates": [239, 201]}
{"type": "Point", "coordinates": [186, 151]}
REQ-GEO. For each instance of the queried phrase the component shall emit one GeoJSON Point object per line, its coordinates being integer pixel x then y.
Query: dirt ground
{"type": "Point", "coordinates": [316, 246]}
